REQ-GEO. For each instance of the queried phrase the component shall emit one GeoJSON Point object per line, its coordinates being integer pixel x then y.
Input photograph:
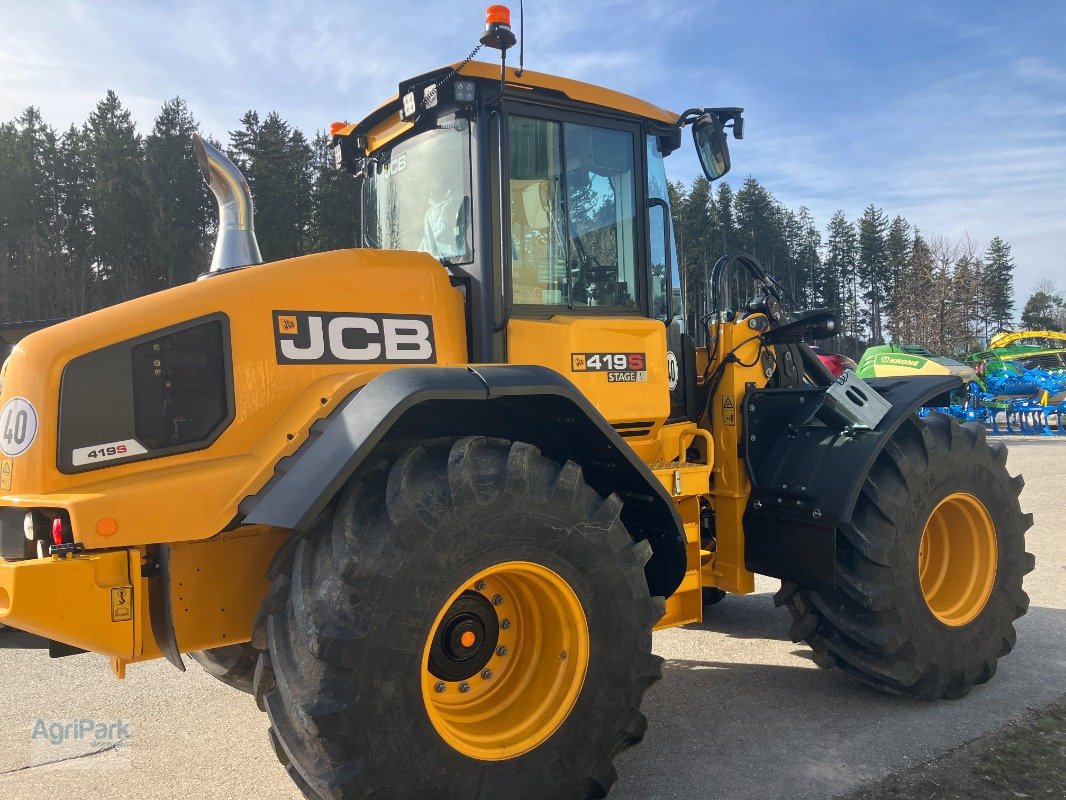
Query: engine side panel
{"type": "Point", "coordinates": [337, 319]}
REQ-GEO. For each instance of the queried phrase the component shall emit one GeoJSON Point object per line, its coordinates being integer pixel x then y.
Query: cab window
{"type": "Point", "coordinates": [573, 215]}
{"type": "Point", "coordinates": [416, 195]}
{"type": "Point", "coordinates": [660, 234]}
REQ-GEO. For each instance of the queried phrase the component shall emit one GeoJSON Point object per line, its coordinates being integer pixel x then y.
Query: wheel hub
{"type": "Point", "coordinates": [465, 639]}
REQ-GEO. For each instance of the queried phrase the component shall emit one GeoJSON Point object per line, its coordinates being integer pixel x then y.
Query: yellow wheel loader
{"type": "Point", "coordinates": [427, 499]}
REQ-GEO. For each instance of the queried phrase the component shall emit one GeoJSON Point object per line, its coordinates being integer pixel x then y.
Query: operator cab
{"type": "Point", "coordinates": [543, 196]}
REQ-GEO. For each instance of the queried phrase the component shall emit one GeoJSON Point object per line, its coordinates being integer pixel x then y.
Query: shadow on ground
{"type": "Point", "coordinates": [776, 726]}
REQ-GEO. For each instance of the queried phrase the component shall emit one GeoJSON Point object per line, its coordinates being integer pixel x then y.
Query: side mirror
{"type": "Point", "coordinates": [711, 146]}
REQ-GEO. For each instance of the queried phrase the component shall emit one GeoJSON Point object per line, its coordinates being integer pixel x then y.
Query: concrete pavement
{"type": "Point", "coordinates": [741, 711]}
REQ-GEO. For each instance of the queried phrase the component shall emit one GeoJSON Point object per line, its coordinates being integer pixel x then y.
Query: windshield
{"type": "Point", "coordinates": [417, 195]}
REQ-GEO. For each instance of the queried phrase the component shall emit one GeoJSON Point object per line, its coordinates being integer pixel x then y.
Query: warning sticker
{"type": "Point", "coordinates": [729, 413]}
{"type": "Point", "coordinates": [122, 604]}
{"type": "Point", "coordinates": [5, 473]}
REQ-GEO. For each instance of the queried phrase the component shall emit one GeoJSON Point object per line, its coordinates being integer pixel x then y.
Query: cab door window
{"type": "Point", "coordinates": [660, 235]}
{"type": "Point", "coordinates": [573, 219]}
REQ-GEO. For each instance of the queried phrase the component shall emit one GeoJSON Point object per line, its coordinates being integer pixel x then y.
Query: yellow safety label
{"type": "Point", "coordinates": [729, 413]}
{"type": "Point", "coordinates": [5, 473]}
{"type": "Point", "coordinates": [122, 604]}
{"type": "Point", "coordinates": [289, 325]}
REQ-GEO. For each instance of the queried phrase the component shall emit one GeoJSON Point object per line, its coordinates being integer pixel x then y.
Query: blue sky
{"type": "Point", "coordinates": [950, 113]}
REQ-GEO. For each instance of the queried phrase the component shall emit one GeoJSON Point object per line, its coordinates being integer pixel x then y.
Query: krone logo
{"type": "Point", "coordinates": [325, 337]}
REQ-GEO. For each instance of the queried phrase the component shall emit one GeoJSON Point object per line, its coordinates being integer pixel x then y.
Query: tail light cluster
{"type": "Point", "coordinates": [45, 532]}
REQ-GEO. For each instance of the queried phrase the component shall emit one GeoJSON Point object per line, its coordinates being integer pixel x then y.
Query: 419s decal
{"type": "Point", "coordinates": [620, 367]}
{"type": "Point", "coordinates": [108, 451]}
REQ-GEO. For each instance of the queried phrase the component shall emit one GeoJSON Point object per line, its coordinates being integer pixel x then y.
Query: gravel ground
{"type": "Point", "coordinates": [741, 711]}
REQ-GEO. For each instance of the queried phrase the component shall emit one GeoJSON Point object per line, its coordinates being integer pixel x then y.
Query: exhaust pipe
{"type": "Point", "coordinates": [235, 245]}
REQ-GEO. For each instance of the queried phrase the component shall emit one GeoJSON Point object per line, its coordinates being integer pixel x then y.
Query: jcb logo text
{"type": "Point", "coordinates": [326, 337]}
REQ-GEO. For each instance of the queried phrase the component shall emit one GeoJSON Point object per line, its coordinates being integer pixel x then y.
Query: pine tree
{"type": "Point", "coordinates": [695, 213]}
{"type": "Point", "coordinates": [873, 271]}
{"type": "Point", "coordinates": [840, 279]}
{"type": "Point", "coordinates": [120, 220]}
{"type": "Point", "coordinates": [74, 178]}
{"type": "Point", "coordinates": [898, 247]}
{"type": "Point", "coordinates": [760, 231]}
{"type": "Point", "coordinates": [915, 320]}
{"type": "Point", "coordinates": [276, 160]}
{"type": "Point", "coordinates": [335, 201]}
{"type": "Point", "coordinates": [998, 285]}
{"type": "Point", "coordinates": [176, 194]}
{"type": "Point", "coordinates": [808, 258]}
{"type": "Point", "coordinates": [725, 220]}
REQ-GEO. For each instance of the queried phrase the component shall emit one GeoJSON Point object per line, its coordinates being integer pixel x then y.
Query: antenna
{"type": "Point", "coordinates": [521, 37]}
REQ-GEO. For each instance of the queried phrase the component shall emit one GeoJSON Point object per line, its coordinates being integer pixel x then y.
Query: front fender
{"type": "Point", "coordinates": [806, 478]}
{"type": "Point", "coordinates": [525, 403]}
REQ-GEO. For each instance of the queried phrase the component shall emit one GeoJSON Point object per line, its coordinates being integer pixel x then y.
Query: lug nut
{"type": "Point", "coordinates": [480, 586]}
{"type": "Point", "coordinates": [505, 623]}
{"type": "Point", "coordinates": [464, 687]}
{"type": "Point", "coordinates": [501, 650]}
{"type": "Point", "coordinates": [497, 600]}
{"type": "Point", "coordinates": [440, 688]}
{"type": "Point", "coordinates": [487, 674]}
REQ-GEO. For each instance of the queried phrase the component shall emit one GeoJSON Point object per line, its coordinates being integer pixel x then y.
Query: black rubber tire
{"type": "Point", "coordinates": [340, 675]}
{"type": "Point", "coordinates": [233, 664]}
{"type": "Point", "coordinates": [876, 625]}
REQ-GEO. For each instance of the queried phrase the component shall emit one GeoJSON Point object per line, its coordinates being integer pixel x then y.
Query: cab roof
{"type": "Point", "coordinates": [384, 123]}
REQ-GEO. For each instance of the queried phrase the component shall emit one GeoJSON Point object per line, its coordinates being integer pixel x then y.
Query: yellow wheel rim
{"type": "Point", "coordinates": [503, 701]}
{"type": "Point", "coordinates": [957, 559]}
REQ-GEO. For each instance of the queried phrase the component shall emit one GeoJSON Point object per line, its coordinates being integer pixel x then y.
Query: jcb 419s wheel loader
{"type": "Point", "coordinates": [426, 499]}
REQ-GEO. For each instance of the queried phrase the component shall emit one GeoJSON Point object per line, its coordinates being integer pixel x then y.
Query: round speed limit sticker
{"type": "Point", "coordinates": [18, 426]}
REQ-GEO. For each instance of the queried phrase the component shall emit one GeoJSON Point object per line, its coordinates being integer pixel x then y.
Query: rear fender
{"type": "Point", "coordinates": [524, 403]}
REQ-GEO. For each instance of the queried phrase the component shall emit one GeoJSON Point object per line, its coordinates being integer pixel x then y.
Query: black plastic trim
{"type": "Point", "coordinates": [161, 607]}
{"type": "Point", "coordinates": [527, 403]}
{"type": "Point", "coordinates": [122, 398]}
{"type": "Point", "coordinates": [12, 534]}
{"type": "Point", "coordinates": [806, 477]}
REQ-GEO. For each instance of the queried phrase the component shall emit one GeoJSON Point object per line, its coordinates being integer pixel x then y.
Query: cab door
{"type": "Point", "coordinates": [577, 285]}
{"type": "Point", "coordinates": [665, 293]}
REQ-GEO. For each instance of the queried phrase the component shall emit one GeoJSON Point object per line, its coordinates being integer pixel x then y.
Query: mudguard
{"type": "Point", "coordinates": [806, 476]}
{"type": "Point", "coordinates": [523, 403]}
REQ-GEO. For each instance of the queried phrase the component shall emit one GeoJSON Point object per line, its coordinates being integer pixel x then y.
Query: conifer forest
{"type": "Point", "coordinates": [101, 212]}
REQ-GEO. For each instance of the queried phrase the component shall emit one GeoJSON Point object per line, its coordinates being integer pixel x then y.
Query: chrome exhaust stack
{"type": "Point", "coordinates": [235, 245]}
